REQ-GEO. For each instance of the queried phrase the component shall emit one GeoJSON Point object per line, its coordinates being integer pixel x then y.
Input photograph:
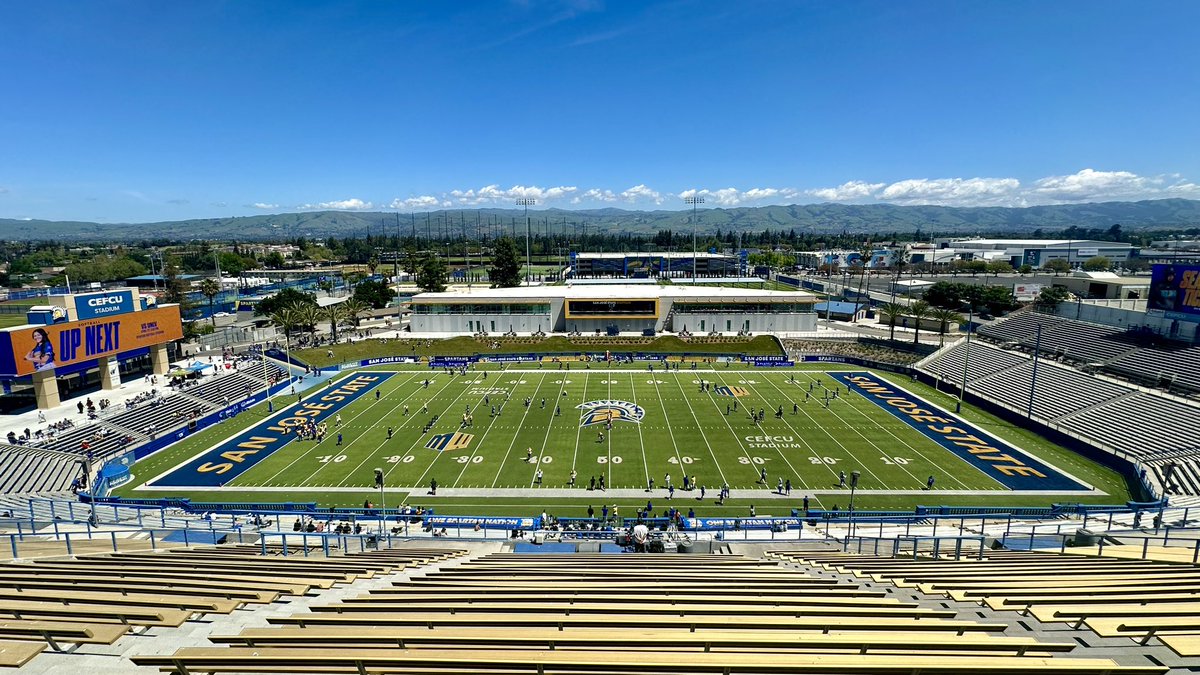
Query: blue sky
{"type": "Point", "coordinates": [138, 111]}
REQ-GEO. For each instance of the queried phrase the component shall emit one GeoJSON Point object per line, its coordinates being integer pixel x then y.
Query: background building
{"type": "Point", "coordinates": [656, 265]}
{"type": "Point", "coordinates": [613, 308]}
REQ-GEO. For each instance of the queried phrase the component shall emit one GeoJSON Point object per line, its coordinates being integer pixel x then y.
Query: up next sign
{"type": "Point", "coordinates": [108, 303]}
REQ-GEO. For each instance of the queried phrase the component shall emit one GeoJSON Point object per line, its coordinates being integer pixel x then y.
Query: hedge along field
{"type": "Point", "coordinates": [761, 345]}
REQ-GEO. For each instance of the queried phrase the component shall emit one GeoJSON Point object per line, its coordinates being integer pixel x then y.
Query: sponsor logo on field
{"type": "Point", "coordinates": [454, 441]}
{"type": "Point", "coordinates": [599, 412]}
{"type": "Point", "coordinates": [737, 392]}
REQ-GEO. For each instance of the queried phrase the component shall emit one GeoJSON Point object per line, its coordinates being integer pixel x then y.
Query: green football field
{"type": "Point", "coordinates": [663, 424]}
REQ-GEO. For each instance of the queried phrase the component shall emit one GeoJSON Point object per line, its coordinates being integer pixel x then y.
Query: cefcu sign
{"type": "Point", "coordinates": [97, 305]}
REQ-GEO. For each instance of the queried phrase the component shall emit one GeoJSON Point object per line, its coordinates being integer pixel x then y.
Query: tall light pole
{"type": "Point", "coordinates": [527, 202]}
{"type": "Point", "coordinates": [694, 201]}
{"type": "Point", "coordinates": [962, 391]}
{"type": "Point", "coordinates": [850, 530]}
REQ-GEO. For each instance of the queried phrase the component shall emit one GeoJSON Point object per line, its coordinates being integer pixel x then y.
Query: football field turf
{"type": "Point", "coordinates": [627, 426]}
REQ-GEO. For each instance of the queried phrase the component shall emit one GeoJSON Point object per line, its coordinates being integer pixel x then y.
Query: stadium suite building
{"type": "Point", "coordinates": [613, 307]}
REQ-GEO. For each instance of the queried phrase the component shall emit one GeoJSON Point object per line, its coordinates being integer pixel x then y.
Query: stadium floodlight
{"type": "Point", "coordinates": [527, 202]}
{"type": "Point", "coordinates": [694, 201]}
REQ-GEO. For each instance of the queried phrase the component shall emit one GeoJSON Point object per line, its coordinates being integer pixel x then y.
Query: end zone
{"type": "Point", "coordinates": [234, 456]}
{"type": "Point", "coordinates": [1009, 465]}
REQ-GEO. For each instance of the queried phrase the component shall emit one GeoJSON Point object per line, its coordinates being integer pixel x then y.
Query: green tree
{"type": "Point", "coordinates": [505, 271]}
{"type": "Point", "coordinates": [336, 313]}
{"type": "Point", "coordinates": [891, 312]}
{"type": "Point", "coordinates": [355, 309]}
{"type": "Point", "coordinates": [273, 260]}
{"type": "Point", "coordinates": [1026, 268]}
{"type": "Point", "coordinates": [1057, 265]}
{"type": "Point", "coordinates": [309, 317]}
{"type": "Point", "coordinates": [377, 294]}
{"type": "Point", "coordinates": [945, 317]}
{"type": "Point", "coordinates": [919, 311]}
{"type": "Point", "coordinates": [1097, 264]}
{"type": "Point", "coordinates": [998, 267]}
{"type": "Point", "coordinates": [210, 289]}
{"type": "Point", "coordinates": [431, 278]}
{"type": "Point", "coordinates": [1052, 296]}
{"type": "Point", "coordinates": [288, 297]}
{"type": "Point", "coordinates": [286, 319]}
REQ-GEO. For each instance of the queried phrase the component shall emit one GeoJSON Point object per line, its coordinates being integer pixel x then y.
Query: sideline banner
{"type": "Point", "coordinates": [486, 522]}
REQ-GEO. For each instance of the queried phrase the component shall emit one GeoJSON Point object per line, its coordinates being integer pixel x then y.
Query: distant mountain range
{"type": "Point", "coordinates": [816, 218]}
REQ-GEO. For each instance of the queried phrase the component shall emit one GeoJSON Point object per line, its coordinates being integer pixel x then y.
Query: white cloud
{"type": "Point", "coordinates": [1087, 185]}
{"type": "Point", "coordinates": [421, 202]}
{"type": "Point", "coordinates": [735, 197]}
{"type": "Point", "coordinates": [641, 193]}
{"type": "Point", "coordinates": [3, 190]}
{"type": "Point", "coordinates": [494, 194]}
{"type": "Point", "coordinates": [953, 191]}
{"type": "Point", "coordinates": [854, 190]}
{"type": "Point", "coordinates": [1091, 185]}
{"type": "Point", "coordinates": [264, 206]}
{"type": "Point", "coordinates": [353, 204]}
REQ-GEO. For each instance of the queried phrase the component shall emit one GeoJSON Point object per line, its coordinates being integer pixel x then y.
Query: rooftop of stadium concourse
{"type": "Point", "coordinates": [616, 291]}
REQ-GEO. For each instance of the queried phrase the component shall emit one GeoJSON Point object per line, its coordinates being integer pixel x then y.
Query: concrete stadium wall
{"type": "Point", "coordinates": [759, 323]}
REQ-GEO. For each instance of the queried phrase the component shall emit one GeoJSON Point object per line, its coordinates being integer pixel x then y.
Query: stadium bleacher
{"type": "Point", "coordinates": [1127, 354]}
{"type": "Point", "coordinates": [35, 470]}
{"type": "Point", "coordinates": [646, 613]}
{"type": "Point", "coordinates": [1113, 416]}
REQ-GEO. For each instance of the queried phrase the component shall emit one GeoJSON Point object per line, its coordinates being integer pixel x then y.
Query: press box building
{"type": "Point", "coordinates": [623, 307]}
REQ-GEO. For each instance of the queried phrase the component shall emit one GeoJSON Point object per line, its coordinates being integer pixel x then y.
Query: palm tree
{"type": "Point", "coordinates": [210, 289]}
{"type": "Point", "coordinates": [919, 310]}
{"type": "Point", "coordinates": [336, 313]}
{"type": "Point", "coordinates": [355, 308]}
{"type": "Point", "coordinates": [309, 315]}
{"type": "Point", "coordinates": [891, 311]}
{"type": "Point", "coordinates": [286, 318]}
{"type": "Point", "coordinates": [945, 317]}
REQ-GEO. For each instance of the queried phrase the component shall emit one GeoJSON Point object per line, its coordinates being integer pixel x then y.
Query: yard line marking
{"type": "Point", "coordinates": [671, 434]}
{"type": "Point", "coordinates": [546, 438]}
{"type": "Point", "coordinates": [641, 439]}
{"type": "Point", "coordinates": [578, 427]}
{"type": "Point", "coordinates": [825, 429]}
{"type": "Point", "coordinates": [513, 442]}
{"type": "Point", "coordinates": [779, 451]}
{"type": "Point", "coordinates": [437, 455]}
{"type": "Point", "coordinates": [712, 454]}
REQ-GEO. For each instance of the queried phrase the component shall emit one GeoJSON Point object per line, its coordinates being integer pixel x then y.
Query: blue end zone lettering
{"type": "Point", "coordinates": [231, 458]}
{"type": "Point", "coordinates": [1011, 467]}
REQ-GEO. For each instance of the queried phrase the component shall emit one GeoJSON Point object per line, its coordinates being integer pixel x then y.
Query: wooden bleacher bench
{"type": "Point", "coordinates": [616, 619]}
{"type": "Point", "coordinates": [235, 659]}
{"type": "Point", "coordinates": [1187, 646]}
{"type": "Point", "coordinates": [868, 598]}
{"type": "Point", "coordinates": [860, 641]}
{"type": "Point", "coordinates": [73, 583]}
{"type": "Point", "coordinates": [125, 614]}
{"type": "Point", "coordinates": [14, 653]}
{"type": "Point", "coordinates": [53, 632]}
{"type": "Point", "coordinates": [648, 608]}
{"type": "Point", "coordinates": [1145, 628]}
{"type": "Point", "coordinates": [165, 599]}
{"type": "Point", "coordinates": [1084, 597]}
{"type": "Point", "coordinates": [1081, 613]}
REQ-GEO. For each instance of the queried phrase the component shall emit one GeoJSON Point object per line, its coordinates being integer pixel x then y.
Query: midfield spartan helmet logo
{"type": "Point", "coordinates": [599, 412]}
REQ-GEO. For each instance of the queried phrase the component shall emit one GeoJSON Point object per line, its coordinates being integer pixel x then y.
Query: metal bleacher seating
{"type": "Point", "coordinates": [163, 413]}
{"type": "Point", "coordinates": [1119, 418]}
{"type": "Point", "coordinates": [29, 470]}
{"type": "Point", "coordinates": [102, 439]}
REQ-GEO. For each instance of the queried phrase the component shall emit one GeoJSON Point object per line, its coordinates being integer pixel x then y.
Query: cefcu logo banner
{"type": "Point", "coordinates": [231, 458]}
{"type": "Point", "coordinates": [98, 305]}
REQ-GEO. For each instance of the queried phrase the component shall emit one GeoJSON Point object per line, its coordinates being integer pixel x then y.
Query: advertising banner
{"type": "Point", "coordinates": [1027, 292]}
{"type": "Point", "coordinates": [108, 303]}
{"type": "Point", "coordinates": [1175, 291]}
{"type": "Point", "coordinates": [24, 351]}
